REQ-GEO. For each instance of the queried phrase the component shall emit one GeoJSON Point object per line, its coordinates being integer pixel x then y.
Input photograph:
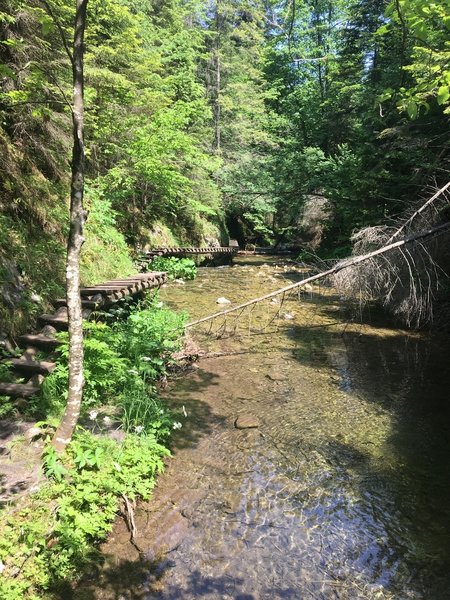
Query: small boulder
{"type": "Point", "coordinates": [32, 433]}
{"type": "Point", "coordinates": [223, 300]}
{"type": "Point", "coordinates": [246, 422]}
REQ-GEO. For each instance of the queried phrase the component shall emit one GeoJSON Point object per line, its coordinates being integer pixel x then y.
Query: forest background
{"type": "Point", "coordinates": [206, 120]}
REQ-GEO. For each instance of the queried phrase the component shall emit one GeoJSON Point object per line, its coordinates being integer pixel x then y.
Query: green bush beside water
{"type": "Point", "coordinates": [47, 537]}
{"type": "Point", "coordinates": [176, 268]}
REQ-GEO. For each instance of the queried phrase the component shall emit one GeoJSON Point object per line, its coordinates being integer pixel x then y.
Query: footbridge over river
{"type": "Point", "coordinates": [187, 251]}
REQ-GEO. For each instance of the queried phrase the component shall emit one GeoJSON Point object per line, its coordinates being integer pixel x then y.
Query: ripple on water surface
{"type": "Point", "coordinates": [342, 491]}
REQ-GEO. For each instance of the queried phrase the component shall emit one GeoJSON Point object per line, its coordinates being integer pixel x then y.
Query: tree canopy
{"type": "Point", "coordinates": [209, 119]}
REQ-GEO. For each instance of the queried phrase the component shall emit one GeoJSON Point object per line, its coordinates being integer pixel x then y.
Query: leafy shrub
{"type": "Point", "coordinates": [53, 534]}
{"type": "Point", "coordinates": [176, 268]}
{"type": "Point", "coordinates": [51, 537]}
{"type": "Point", "coordinates": [114, 355]}
{"type": "Point", "coordinates": [149, 337]}
{"type": "Point", "coordinates": [143, 412]}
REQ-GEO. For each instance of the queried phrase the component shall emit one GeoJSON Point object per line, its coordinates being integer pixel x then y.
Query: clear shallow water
{"type": "Point", "coordinates": [343, 490]}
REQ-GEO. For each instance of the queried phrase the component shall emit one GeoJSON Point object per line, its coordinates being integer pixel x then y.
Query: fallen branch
{"type": "Point", "coordinates": [339, 267]}
{"type": "Point", "coordinates": [128, 513]}
{"type": "Point", "coordinates": [419, 211]}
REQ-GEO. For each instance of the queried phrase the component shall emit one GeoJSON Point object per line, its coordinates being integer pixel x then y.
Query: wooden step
{"type": "Point", "coordinates": [59, 302]}
{"type": "Point", "coordinates": [18, 390]}
{"type": "Point", "coordinates": [101, 289]}
{"type": "Point", "coordinates": [31, 366]}
{"type": "Point", "coordinates": [59, 322]}
{"type": "Point", "coordinates": [38, 340]}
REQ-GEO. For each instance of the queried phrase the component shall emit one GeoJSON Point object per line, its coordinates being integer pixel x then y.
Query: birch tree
{"type": "Point", "coordinates": [64, 432]}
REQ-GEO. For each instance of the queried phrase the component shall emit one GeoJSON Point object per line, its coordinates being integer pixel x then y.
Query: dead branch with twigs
{"type": "Point", "coordinates": [406, 280]}
{"type": "Point", "coordinates": [406, 247]}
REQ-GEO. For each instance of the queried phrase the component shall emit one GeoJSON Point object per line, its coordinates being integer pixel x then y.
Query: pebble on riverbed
{"type": "Point", "coordinates": [223, 300]}
{"type": "Point", "coordinates": [276, 377]}
{"type": "Point", "coordinates": [246, 422]}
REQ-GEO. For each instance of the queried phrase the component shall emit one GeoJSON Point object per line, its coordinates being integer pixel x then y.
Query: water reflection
{"type": "Point", "coordinates": [342, 492]}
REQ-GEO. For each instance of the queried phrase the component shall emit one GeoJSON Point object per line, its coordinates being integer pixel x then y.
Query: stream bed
{"type": "Point", "coordinates": [341, 491]}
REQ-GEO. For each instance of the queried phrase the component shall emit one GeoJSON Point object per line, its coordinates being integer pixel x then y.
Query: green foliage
{"type": "Point", "coordinates": [337, 87]}
{"type": "Point", "coordinates": [142, 412]}
{"type": "Point", "coordinates": [54, 534]}
{"type": "Point", "coordinates": [147, 129]}
{"type": "Point", "coordinates": [74, 509]}
{"type": "Point", "coordinates": [176, 268]}
{"type": "Point", "coordinates": [149, 337]}
{"type": "Point", "coordinates": [427, 25]}
{"type": "Point", "coordinates": [116, 356]}
{"type": "Point", "coordinates": [105, 255]}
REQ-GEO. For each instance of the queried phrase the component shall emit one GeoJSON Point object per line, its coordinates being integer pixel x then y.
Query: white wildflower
{"type": "Point", "coordinates": [161, 412]}
{"type": "Point", "coordinates": [139, 428]}
{"type": "Point", "coordinates": [117, 466]}
{"type": "Point", "coordinates": [133, 372]}
{"type": "Point", "coordinates": [184, 411]}
{"type": "Point", "coordinates": [177, 425]}
{"type": "Point", "coordinates": [160, 305]}
{"type": "Point", "coordinates": [107, 421]}
{"type": "Point", "coordinates": [93, 415]}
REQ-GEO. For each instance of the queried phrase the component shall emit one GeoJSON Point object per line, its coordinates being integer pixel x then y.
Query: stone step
{"type": "Point", "coordinates": [32, 367]}
{"type": "Point", "coordinates": [38, 340]}
{"type": "Point", "coordinates": [18, 390]}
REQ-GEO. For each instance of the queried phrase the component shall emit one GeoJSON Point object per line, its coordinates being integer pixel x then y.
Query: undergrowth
{"type": "Point", "coordinates": [50, 534]}
{"type": "Point", "coordinates": [176, 268]}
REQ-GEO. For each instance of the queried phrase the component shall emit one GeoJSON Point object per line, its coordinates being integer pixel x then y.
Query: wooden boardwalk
{"type": "Point", "coordinates": [180, 252]}
{"type": "Point", "coordinates": [32, 371]}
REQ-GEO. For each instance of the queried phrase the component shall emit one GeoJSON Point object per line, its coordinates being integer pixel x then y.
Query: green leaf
{"type": "Point", "coordinates": [413, 109]}
{"type": "Point", "coordinates": [443, 94]}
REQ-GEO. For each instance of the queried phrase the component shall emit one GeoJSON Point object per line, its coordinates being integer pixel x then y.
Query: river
{"type": "Point", "coordinates": [342, 491]}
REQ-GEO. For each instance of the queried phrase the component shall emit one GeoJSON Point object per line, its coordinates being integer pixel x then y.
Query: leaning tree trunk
{"type": "Point", "coordinates": [65, 429]}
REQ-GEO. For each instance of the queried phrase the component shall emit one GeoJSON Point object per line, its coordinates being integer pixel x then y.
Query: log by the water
{"type": "Point", "coordinates": [339, 267]}
{"type": "Point", "coordinates": [418, 212]}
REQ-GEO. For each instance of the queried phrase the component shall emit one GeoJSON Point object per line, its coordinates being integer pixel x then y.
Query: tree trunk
{"type": "Point", "coordinates": [343, 264]}
{"type": "Point", "coordinates": [65, 429]}
{"type": "Point", "coordinates": [217, 67]}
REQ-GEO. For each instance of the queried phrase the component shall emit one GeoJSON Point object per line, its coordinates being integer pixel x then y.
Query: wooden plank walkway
{"type": "Point", "coordinates": [30, 371]}
{"type": "Point", "coordinates": [180, 251]}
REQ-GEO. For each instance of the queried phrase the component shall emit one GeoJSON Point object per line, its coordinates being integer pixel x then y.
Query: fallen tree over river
{"type": "Point", "coordinates": [401, 245]}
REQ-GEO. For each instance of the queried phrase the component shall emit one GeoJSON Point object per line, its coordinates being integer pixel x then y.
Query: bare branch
{"type": "Point", "coordinates": [350, 262]}
{"type": "Point", "coordinates": [418, 212]}
{"type": "Point", "coordinates": [55, 19]}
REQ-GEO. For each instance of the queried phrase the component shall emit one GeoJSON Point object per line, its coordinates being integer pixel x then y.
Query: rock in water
{"type": "Point", "coordinates": [223, 300]}
{"type": "Point", "coordinates": [276, 376]}
{"type": "Point", "coordinates": [246, 422]}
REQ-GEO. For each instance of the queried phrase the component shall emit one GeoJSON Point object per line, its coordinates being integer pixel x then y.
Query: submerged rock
{"type": "Point", "coordinates": [276, 376]}
{"type": "Point", "coordinates": [246, 422]}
